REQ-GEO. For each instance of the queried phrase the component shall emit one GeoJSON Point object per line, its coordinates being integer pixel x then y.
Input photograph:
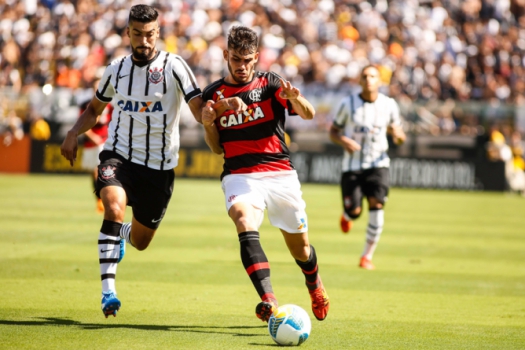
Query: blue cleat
{"type": "Point", "coordinates": [110, 303]}
{"type": "Point", "coordinates": [122, 250]}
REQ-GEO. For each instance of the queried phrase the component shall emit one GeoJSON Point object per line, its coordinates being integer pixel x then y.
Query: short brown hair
{"type": "Point", "coordinates": [243, 40]}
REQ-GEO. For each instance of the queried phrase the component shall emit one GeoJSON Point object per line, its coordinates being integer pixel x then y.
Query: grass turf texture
{"type": "Point", "coordinates": [450, 273]}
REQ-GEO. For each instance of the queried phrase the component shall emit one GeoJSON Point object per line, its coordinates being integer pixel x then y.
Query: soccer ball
{"type": "Point", "coordinates": [289, 325]}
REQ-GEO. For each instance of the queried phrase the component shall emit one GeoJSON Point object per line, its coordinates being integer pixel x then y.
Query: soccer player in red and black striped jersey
{"type": "Point", "coordinates": [258, 174]}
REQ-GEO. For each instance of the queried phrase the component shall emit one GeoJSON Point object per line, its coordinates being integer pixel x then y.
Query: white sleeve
{"type": "Point", "coordinates": [105, 90]}
{"type": "Point", "coordinates": [395, 118]}
{"type": "Point", "coordinates": [185, 79]}
{"type": "Point", "coordinates": [342, 112]}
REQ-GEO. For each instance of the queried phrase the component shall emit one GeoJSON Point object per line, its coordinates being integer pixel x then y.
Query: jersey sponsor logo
{"type": "Point", "coordinates": [255, 95]}
{"type": "Point", "coordinates": [155, 75]}
{"type": "Point", "coordinates": [140, 106]}
{"type": "Point", "coordinates": [108, 172]}
{"type": "Point", "coordinates": [244, 117]}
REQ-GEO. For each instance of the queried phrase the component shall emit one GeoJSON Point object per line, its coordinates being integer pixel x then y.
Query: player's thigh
{"type": "Point", "coordinates": [351, 192]}
{"type": "Point", "coordinates": [150, 194]}
{"type": "Point", "coordinates": [244, 201]}
{"type": "Point", "coordinates": [286, 207]}
{"type": "Point", "coordinates": [377, 184]}
{"type": "Point", "coordinates": [242, 188]}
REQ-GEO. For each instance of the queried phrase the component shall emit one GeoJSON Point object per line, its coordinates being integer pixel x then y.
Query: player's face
{"type": "Point", "coordinates": [370, 81]}
{"type": "Point", "coordinates": [241, 67]}
{"type": "Point", "coordinates": [143, 39]}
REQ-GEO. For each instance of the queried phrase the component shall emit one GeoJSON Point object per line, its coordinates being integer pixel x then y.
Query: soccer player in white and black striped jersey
{"type": "Point", "coordinates": [147, 88]}
{"type": "Point", "coordinates": [360, 126]}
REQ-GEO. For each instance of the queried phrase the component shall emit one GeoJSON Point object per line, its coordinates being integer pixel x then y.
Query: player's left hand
{"type": "Point", "coordinates": [288, 92]}
{"type": "Point", "coordinates": [398, 135]}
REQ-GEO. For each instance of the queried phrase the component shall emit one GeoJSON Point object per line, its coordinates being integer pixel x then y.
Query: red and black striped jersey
{"type": "Point", "coordinates": [254, 140]}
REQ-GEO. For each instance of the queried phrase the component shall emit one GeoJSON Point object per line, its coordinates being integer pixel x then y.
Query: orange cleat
{"type": "Point", "coordinates": [100, 206]}
{"type": "Point", "coordinates": [320, 301]}
{"type": "Point", "coordinates": [366, 264]}
{"type": "Point", "coordinates": [346, 225]}
{"type": "Point", "coordinates": [265, 309]}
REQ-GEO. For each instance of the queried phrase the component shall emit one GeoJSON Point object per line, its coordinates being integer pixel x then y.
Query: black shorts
{"type": "Point", "coordinates": [148, 190]}
{"type": "Point", "coordinates": [370, 183]}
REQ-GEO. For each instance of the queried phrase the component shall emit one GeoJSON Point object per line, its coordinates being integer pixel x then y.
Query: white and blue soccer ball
{"type": "Point", "coordinates": [289, 325]}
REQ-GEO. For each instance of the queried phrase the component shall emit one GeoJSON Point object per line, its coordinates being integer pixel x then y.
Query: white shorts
{"type": "Point", "coordinates": [90, 157]}
{"type": "Point", "coordinates": [278, 192]}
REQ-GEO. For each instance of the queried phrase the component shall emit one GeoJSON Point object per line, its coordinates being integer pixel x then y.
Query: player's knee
{"type": "Point", "coordinates": [114, 212]}
{"type": "Point", "coordinates": [354, 213]}
{"type": "Point", "coordinates": [244, 223]}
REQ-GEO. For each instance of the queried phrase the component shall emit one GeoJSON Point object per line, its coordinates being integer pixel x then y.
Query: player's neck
{"type": "Point", "coordinates": [369, 96]}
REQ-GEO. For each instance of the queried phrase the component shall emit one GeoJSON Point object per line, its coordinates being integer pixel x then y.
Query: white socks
{"type": "Point", "coordinates": [376, 220]}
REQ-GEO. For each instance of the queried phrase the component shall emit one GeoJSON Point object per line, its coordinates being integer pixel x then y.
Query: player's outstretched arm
{"type": "Point", "coordinates": [299, 103]}
{"type": "Point", "coordinates": [86, 121]}
{"type": "Point", "coordinates": [211, 134]}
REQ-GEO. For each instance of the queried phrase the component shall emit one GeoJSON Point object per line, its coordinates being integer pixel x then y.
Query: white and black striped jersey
{"type": "Point", "coordinates": [367, 123]}
{"type": "Point", "coordinates": [147, 98]}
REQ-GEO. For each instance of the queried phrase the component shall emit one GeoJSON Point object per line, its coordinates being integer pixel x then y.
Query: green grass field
{"type": "Point", "coordinates": [450, 273]}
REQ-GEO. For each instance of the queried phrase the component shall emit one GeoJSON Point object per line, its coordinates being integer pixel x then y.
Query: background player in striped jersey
{"type": "Point", "coordinates": [148, 88]}
{"type": "Point", "coordinates": [361, 124]}
{"type": "Point", "coordinates": [258, 174]}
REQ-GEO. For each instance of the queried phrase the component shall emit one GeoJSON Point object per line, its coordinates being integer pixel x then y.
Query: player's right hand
{"type": "Point", "coordinates": [69, 147]}
{"type": "Point", "coordinates": [208, 114]}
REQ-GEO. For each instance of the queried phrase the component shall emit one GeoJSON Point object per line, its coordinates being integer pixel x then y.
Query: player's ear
{"type": "Point", "coordinates": [256, 57]}
{"type": "Point", "coordinates": [225, 55]}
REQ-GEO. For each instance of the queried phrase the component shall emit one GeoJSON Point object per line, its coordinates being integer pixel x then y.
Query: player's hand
{"type": "Point", "coordinates": [208, 114]}
{"type": "Point", "coordinates": [236, 104]}
{"type": "Point", "coordinates": [351, 146]}
{"type": "Point", "coordinates": [69, 147]}
{"type": "Point", "coordinates": [398, 135]}
{"type": "Point", "coordinates": [289, 92]}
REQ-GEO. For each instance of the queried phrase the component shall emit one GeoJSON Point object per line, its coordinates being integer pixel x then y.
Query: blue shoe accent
{"type": "Point", "coordinates": [122, 250]}
{"type": "Point", "coordinates": [110, 303]}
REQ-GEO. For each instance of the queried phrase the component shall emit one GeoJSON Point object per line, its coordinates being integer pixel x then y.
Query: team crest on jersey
{"type": "Point", "coordinates": [255, 95]}
{"type": "Point", "coordinates": [155, 75]}
{"type": "Point", "coordinates": [108, 172]}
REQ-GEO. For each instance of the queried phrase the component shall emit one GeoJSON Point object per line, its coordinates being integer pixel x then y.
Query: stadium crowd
{"type": "Point", "coordinates": [443, 53]}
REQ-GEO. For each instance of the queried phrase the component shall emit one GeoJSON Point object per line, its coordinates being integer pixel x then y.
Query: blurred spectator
{"type": "Point", "coordinates": [432, 50]}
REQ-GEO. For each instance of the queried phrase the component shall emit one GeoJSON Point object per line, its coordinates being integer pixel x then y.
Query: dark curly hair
{"type": "Point", "coordinates": [143, 14]}
{"type": "Point", "coordinates": [243, 40]}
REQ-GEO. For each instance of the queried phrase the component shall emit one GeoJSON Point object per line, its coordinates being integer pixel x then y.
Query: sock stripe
{"type": "Point", "coordinates": [267, 296]}
{"type": "Point", "coordinates": [257, 266]}
{"type": "Point", "coordinates": [107, 261]}
{"type": "Point", "coordinates": [310, 272]}
{"type": "Point", "coordinates": [108, 241]}
{"type": "Point", "coordinates": [107, 276]}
